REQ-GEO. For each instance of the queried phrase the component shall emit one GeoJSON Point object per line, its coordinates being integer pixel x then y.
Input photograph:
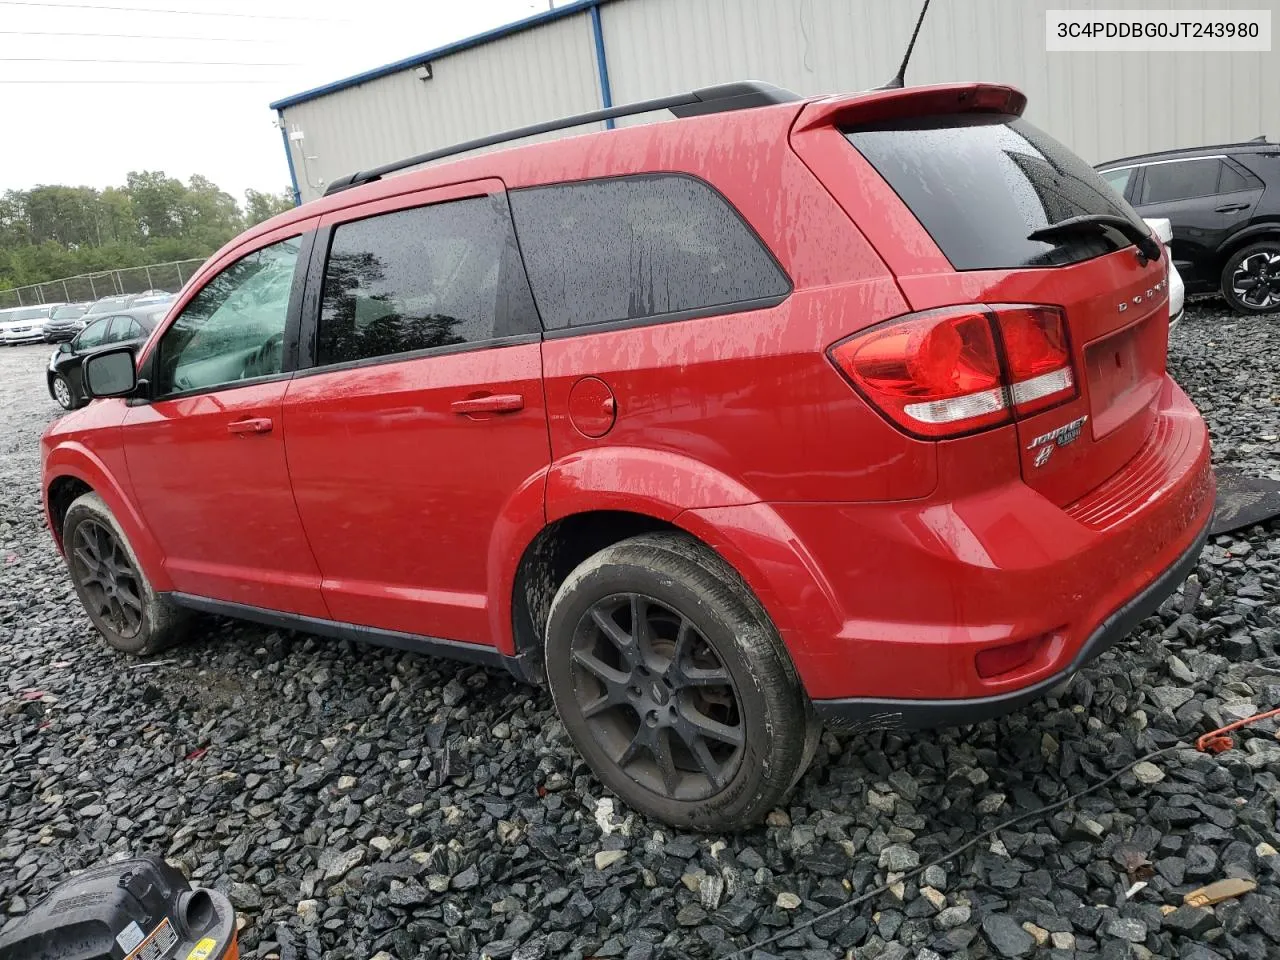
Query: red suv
{"type": "Point", "coordinates": [785, 411]}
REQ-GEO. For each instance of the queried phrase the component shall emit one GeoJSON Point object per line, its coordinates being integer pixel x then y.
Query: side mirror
{"type": "Point", "coordinates": [64, 346]}
{"type": "Point", "coordinates": [111, 373]}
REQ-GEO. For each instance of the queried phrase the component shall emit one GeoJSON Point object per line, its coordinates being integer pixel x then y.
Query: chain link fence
{"type": "Point", "coordinates": [90, 286]}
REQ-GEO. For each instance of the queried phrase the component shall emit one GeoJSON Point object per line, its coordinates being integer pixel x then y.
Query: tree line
{"type": "Point", "coordinates": [50, 232]}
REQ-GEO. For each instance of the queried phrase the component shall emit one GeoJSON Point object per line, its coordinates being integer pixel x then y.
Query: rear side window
{"type": "Point", "coordinates": [981, 183]}
{"type": "Point", "coordinates": [437, 276]}
{"type": "Point", "coordinates": [629, 248]}
{"type": "Point", "coordinates": [1180, 180]}
{"type": "Point", "coordinates": [1234, 180]}
{"type": "Point", "coordinates": [1118, 179]}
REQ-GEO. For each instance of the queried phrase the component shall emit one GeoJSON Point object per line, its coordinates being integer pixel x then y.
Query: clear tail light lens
{"type": "Point", "coordinates": [941, 374]}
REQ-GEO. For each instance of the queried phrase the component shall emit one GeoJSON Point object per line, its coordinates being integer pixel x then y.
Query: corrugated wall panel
{"type": "Point", "coordinates": [1104, 105]}
{"type": "Point", "coordinates": [540, 74]}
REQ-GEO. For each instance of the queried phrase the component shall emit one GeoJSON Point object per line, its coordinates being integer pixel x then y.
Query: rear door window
{"type": "Point", "coordinates": [445, 275]}
{"type": "Point", "coordinates": [93, 335]}
{"type": "Point", "coordinates": [637, 248]}
{"type": "Point", "coordinates": [981, 183]}
{"type": "Point", "coordinates": [1180, 180]}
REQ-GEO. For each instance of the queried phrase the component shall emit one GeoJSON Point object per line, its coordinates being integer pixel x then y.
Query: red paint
{"type": "Point", "coordinates": [592, 407]}
{"type": "Point", "coordinates": [403, 494]}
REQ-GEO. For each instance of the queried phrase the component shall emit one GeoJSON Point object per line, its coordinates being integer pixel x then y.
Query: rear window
{"type": "Point", "coordinates": [1180, 180]}
{"type": "Point", "coordinates": [979, 184]}
{"type": "Point", "coordinates": [637, 248]}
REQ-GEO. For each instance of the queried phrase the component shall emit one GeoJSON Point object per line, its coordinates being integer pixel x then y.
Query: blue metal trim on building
{"type": "Point", "coordinates": [288, 155]}
{"type": "Point", "coordinates": [606, 93]}
{"type": "Point", "coordinates": [559, 13]}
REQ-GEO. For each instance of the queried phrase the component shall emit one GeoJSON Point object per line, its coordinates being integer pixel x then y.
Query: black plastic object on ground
{"type": "Point", "coordinates": [140, 909]}
{"type": "Point", "coordinates": [1243, 501]}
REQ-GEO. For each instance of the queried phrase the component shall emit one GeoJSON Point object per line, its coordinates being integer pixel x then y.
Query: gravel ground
{"type": "Point", "coordinates": [359, 803]}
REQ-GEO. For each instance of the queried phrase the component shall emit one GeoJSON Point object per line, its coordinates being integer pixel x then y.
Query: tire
{"type": "Point", "coordinates": [709, 687]}
{"type": "Point", "coordinates": [62, 392]}
{"type": "Point", "coordinates": [1251, 278]}
{"type": "Point", "coordinates": [106, 574]}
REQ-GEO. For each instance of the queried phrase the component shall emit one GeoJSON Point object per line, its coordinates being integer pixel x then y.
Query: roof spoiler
{"type": "Point", "coordinates": [902, 103]}
{"type": "Point", "coordinates": [721, 98]}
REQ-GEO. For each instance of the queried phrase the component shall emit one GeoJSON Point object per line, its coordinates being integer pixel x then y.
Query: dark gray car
{"type": "Point", "coordinates": [65, 322]}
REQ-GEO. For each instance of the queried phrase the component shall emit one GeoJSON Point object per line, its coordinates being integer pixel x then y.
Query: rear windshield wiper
{"type": "Point", "coordinates": [1146, 243]}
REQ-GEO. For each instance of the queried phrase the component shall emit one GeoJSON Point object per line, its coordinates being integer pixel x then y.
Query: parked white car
{"type": "Point", "coordinates": [1163, 229]}
{"type": "Point", "coordinates": [25, 324]}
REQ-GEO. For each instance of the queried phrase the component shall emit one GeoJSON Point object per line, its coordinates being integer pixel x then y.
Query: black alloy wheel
{"type": "Point", "coordinates": [656, 697]}
{"type": "Point", "coordinates": [1251, 280]}
{"type": "Point", "coordinates": [108, 581]}
{"type": "Point", "coordinates": [674, 685]}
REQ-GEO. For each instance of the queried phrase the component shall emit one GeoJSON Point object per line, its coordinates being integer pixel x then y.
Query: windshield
{"type": "Point", "coordinates": [31, 313]}
{"type": "Point", "coordinates": [980, 184]}
{"type": "Point", "coordinates": [69, 312]}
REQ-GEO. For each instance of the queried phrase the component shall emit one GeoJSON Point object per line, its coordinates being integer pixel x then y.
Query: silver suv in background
{"type": "Point", "coordinates": [25, 324]}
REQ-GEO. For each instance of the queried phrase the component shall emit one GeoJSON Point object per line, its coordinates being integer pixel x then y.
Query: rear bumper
{"type": "Point", "coordinates": [863, 714]}
{"type": "Point", "coordinates": [888, 608]}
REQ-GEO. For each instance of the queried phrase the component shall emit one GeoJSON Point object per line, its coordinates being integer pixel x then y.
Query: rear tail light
{"type": "Point", "coordinates": [1039, 357]}
{"type": "Point", "coordinates": [952, 371]}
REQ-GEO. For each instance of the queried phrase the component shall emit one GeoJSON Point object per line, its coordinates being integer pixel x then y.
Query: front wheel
{"type": "Point", "coordinates": [674, 685]}
{"type": "Point", "coordinates": [1251, 278]}
{"type": "Point", "coordinates": [61, 390]}
{"type": "Point", "coordinates": [111, 585]}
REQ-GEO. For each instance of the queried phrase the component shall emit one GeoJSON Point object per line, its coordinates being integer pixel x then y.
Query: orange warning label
{"type": "Point", "coordinates": [157, 944]}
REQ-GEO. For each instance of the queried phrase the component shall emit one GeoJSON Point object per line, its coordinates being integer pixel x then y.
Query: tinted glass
{"type": "Point", "coordinates": [436, 276]}
{"type": "Point", "coordinates": [93, 335]}
{"type": "Point", "coordinates": [1180, 180]}
{"type": "Point", "coordinates": [980, 184]}
{"type": "Point", "coordinates": [233, 329]}
{"type": "Point", "coordinates": [1233, 181]}
{"type": "Point", "coordinates": [632, 247]}
{"type": "Point", "coordinates": [1118, 179]}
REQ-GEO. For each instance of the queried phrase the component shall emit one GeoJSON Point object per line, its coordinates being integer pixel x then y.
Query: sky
{"type": "Point", "coordinates": [92, 89]}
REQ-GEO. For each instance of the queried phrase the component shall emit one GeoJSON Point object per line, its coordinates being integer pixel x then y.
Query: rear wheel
{"type": "Point", "coordinates": [62, 392]}
{"type": "Point", "coordinates": [1251, 278]}
{"type": "Point", "coordinates": [675, 686]}
{"type": "Point", "coordinates": [111, 585]}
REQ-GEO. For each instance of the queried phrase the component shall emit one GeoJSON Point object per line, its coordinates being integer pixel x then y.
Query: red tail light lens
{"type": "Point", "coordinates": [1039, 357]}
{"type": "Point", "coordinates": [939, 374]}
{"type": "Point", "coordinates": [936, 374]}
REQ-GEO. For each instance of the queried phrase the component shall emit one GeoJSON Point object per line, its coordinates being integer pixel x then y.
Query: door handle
{"type": "Point", "coordinates": [1231, 207]}
{"type": "Point", "coordinates": [251, 425]}
{"type": "Point", "coordinates": [493, 403]}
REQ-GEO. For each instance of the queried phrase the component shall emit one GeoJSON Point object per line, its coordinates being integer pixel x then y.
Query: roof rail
{"type": "Point", "coordinates": [721, 98]}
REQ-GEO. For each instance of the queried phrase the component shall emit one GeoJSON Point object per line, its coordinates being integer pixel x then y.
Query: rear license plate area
{"type": "Point", "coordinates": [1123, 372]}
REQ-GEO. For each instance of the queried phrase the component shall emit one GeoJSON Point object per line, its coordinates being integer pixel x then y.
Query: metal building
{"type": "Point", "coordinates": [593, 53]}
